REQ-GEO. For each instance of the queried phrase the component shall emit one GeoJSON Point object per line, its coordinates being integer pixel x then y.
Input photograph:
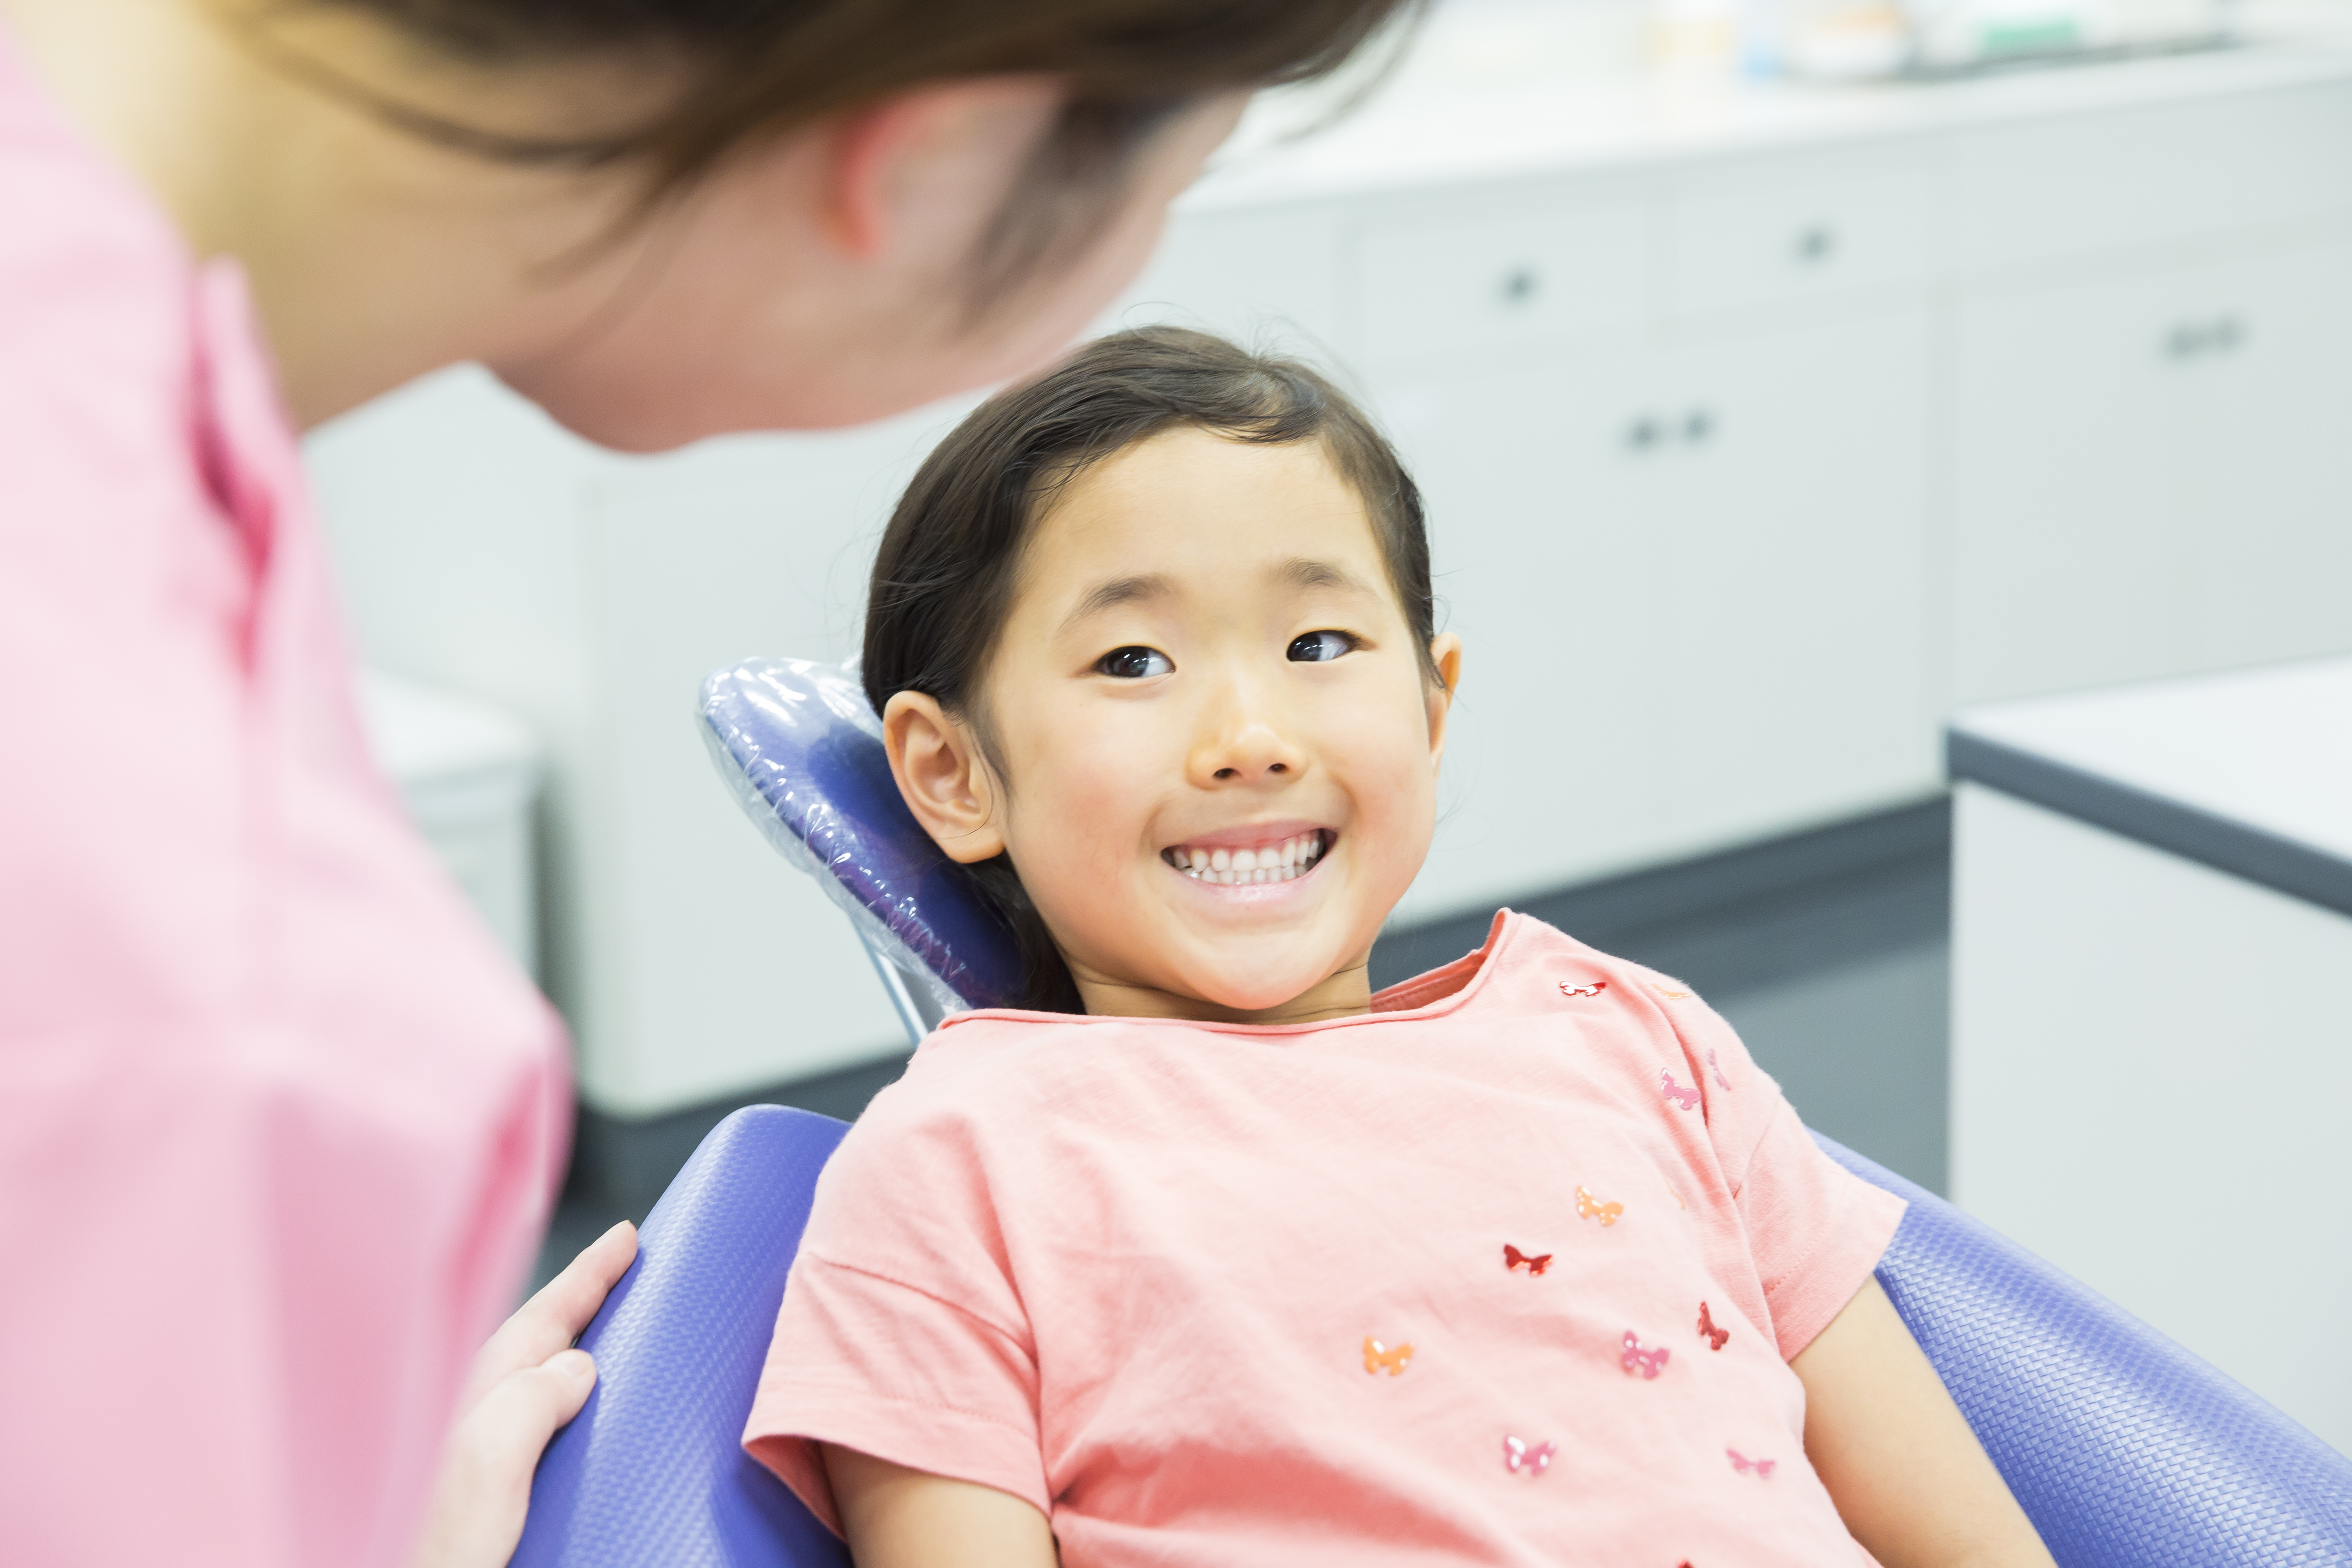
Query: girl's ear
{"type": "Point", "coordinates": [1445, 652]}
{"type": "Point", "coordinates": [942, 777]}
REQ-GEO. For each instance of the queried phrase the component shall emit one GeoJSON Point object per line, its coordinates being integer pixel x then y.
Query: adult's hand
{"type": "Point", "coordinates": [526, 1383]}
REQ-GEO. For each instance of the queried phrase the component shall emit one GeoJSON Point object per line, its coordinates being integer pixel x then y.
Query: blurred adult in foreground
{"type": "Point", "coordinates": [279, 1124]}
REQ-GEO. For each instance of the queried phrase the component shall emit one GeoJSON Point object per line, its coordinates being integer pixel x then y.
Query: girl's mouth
{"type": "Point", "coordinates": [1284, 860]}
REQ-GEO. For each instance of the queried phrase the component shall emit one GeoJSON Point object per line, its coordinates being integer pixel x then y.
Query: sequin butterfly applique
{"type": "Point", "coordinates": [1742, 1463]}
{"type": "Point", "coordinates": [1713, 1067]}
{"type": "Point", "coordinates": [1378, 1356]}
{"type": "Point", "coordinates": [1686, 1097]}
{"type": "Point", "coordinates": [1708, 1331]}
{"type": "Point", "coordinates": [1669, 995]}
{"type": "Point", "coordinates": [1595, 989]}
{"type": "Point", "coordinates": [1534, 1458]}
{"type": "Point", "coordinates": [1647, 1362]}
{"type": "Point", "coordinates": [1590, 1207]}
{"type": "Point", "coordinates": [1514, 1258]}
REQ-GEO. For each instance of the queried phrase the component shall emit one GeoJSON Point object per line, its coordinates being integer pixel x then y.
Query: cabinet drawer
{"type": "Point", "coordinates": [1768, 233]}
{"type": "Point", "coordinates": [2095, 182]}
{"type": "Point", "coordinates": [1443, 285]}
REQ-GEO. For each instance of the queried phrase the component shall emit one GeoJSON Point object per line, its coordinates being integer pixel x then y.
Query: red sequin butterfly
{"type": "Point", "coordinates": [1378, 1355]}
{"type": "Point", "coordinates": [1595, 989]}
{"type": "Point", "coordinates": [1534, 1458]}
{"type": "Point", "coordinates": [1647, 1362]}
{"type": "Point", "coordinates": [1713, 1335]}
{"type": "Point", "coordinates": [1741, 1462]}
{"type": "Point", "coordinates": [1513, 1257]}
{"type": "Point", "coordinates": [1590, 1207]}
{"type": "Point", "coordinates": [1686, 1097]}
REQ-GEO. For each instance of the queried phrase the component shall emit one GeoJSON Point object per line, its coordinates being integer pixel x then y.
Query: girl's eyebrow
{"type": "Point", "coordinates": [1297, 572]}
{"type": "Point", "coordinates": [1301, 573]}
{"type": "Point", "coordinates": [1117, 590]}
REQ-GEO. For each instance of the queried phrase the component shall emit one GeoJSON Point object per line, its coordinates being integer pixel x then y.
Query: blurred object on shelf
{"type": "Point", "coordinates": [1959, 36]}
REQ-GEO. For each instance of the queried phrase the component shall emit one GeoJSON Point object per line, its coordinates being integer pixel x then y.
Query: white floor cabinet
{"type": "Point", "coordinates": [1756, 428]}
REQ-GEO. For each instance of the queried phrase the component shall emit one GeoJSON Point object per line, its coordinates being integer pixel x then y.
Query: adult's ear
{"type": "Point", "coordinates": [942, 777]}
{"type": "Point", "coordinates": [922, 172]}
{"type": "Point", "coordinates": [1445, 652]}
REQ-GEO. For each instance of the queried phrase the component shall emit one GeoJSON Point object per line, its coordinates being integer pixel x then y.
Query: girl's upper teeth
{"type": "Point", "coordinates": [1282, 862]}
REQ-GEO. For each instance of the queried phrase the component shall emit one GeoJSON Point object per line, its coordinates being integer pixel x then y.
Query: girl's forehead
{"type": "Point", "coordinates": [1187, 501]}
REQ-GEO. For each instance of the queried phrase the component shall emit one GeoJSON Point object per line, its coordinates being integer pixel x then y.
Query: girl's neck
{"type": "Point", "coordinates": [1348, 993]}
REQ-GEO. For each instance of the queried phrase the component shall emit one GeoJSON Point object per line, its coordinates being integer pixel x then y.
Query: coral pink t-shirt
{"type": "Point", "coordinates": [278, 1120]}
{"type": "Point", "coordinates": [1422, 1286]}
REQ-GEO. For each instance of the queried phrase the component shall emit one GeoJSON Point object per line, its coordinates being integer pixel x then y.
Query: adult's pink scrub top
{"type": "Point", "coordinates": [278, 1120]}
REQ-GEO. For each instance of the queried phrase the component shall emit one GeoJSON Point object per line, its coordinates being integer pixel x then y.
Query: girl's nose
{"type": "Point", "coordinates": [1251, 752]}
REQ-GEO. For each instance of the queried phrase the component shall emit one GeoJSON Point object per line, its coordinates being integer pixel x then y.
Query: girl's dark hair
{"type": "Point", "coordinates": [763, 67]}
{"type": "Point", "coordinates": [944, 578]}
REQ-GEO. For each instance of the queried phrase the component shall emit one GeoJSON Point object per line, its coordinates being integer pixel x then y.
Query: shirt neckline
{"type": "Point", "coordinates": [1480, 964]}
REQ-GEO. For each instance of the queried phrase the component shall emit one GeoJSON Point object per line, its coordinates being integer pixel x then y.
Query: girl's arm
{"type": "Point", "coordinates": [1908, 1476]}
{"type": "Point", "coordinates": [899, 1518]}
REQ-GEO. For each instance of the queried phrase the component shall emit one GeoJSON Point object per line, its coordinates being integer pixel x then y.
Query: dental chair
{"type": "Point", "coordinates": [2126, 1450]}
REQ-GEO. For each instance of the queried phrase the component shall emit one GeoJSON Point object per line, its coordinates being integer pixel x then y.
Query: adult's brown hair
{"type": "Point", "coordinates": [761, 67]}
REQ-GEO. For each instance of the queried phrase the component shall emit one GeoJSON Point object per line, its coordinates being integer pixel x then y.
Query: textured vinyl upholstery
{"type": "Point", "coordinates": [652, 1473]}
{"type": "Point", "coordinates": [2127, 1451]}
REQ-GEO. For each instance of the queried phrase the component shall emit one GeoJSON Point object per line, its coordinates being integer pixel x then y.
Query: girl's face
{"type": "Point", "coordinates": [1220, 752]}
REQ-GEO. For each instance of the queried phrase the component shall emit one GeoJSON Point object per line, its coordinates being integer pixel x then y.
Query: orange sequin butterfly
{"type": "Point", "coordinates": [1378, 1356]}
{"type": "Point", "coordinates": [1590, 1207]}
{"type": "Point", "coordinates": [1536, 1263]}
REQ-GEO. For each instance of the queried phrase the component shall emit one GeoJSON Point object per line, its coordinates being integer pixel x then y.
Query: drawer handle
{"type": "Point", "coordinates": [1816, 243]}
{"type": "Point", "coordinates": [1644, 434]}
{"type": "Point", "coordinates": [1697, 425]}
{"type": "Point", "coordinates": [1520, 285]}
{"type": "Point", "coordinates": [2194, 340]}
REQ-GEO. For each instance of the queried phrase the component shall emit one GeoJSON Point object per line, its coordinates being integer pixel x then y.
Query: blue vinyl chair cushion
{"type": "Point", "coordinates": [801, 748]}
{"type": "Point", "coordinates": [2126, 1450]}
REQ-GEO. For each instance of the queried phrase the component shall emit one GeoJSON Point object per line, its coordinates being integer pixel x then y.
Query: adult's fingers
{"type": "Point", "coordinates": [554, 1318]}
{"type": "Point", "coordinates": [484, 1491]}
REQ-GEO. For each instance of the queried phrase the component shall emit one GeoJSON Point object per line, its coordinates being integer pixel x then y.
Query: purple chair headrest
{"type": "Point", "coordinates": [801, 749]}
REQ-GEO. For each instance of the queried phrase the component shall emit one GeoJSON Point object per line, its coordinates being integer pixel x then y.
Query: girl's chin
{"type": "Point", "coordinates": [1258, 988]}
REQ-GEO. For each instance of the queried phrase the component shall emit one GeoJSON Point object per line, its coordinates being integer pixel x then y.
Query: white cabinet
{"type": "Point", "coordinates": [1792, 521]}
{"type": "Point", "coordinates": [1690, 579]}
{"type": "Point", "coordinates": [2151, 472]}
{"type": "Point", "coordinates": [2269, 563]}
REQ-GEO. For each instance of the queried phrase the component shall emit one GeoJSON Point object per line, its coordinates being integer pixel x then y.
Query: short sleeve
{"type": "Point", "coordinates": [900, 1334]}
{"type": "Point", "coordinates": [1815, 1230]}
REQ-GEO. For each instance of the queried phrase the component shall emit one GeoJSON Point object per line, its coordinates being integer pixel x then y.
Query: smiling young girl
{"type": "Point", "coordinates": [1215, 1256]}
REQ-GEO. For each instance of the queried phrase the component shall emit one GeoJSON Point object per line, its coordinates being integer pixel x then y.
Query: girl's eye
{"type": "Point", "coordinates": [1134, 663]}
{"type": "Point", "coordinates": [1320, 648]}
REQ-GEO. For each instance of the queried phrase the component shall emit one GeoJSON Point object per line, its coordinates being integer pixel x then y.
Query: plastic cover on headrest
{"type": "Point", "coordinates": [802, 749]}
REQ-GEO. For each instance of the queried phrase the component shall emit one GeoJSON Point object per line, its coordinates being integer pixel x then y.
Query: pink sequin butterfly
{"type": "Point", "coordinates": [1708, 1331]}
{"type": "Point", "coordinates": [1647, 1362]}
{"type": "Point", "coordinates": [1742, 1463]}
{"type": "Point", "coordinates": [1595, 989]}
{"type": "Point", "coordinates": [1686, 1097]}
{"type": "Point", "coordinates": [1721, 1081]}
{"type": "Point", "coordinates": [1534, 1458]}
